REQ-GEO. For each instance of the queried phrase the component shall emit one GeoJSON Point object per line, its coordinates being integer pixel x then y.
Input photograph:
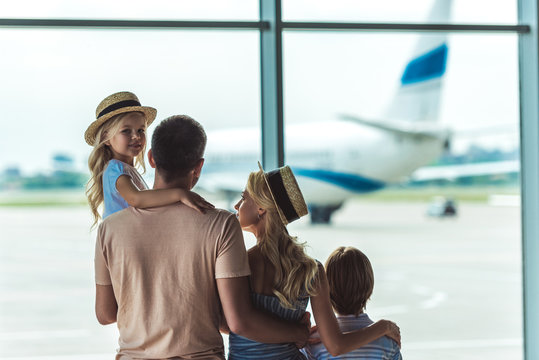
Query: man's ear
{"type": "Point", "coordinates": [151, 160]}
{"type": "Point", "coordinates": [196, 172]}
{"type": "Point", "coordinates": [198, 168]}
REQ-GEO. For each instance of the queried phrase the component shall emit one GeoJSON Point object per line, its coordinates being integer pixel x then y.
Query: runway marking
{"type": "Point", "coordinates": [435, 300]}
{"type": "Point", "coordinates": [36, 335]}
{"type": "Point", "coordinates": [462, 344]}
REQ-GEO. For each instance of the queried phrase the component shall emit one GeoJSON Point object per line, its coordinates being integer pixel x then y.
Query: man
{"type": "Point", "coordinates": [163, 273]}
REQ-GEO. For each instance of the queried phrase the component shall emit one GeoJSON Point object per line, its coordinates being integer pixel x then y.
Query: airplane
{"type": "Point", "coordinates": [351, 155]}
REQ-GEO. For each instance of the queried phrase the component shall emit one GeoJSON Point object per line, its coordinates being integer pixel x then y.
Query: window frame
{"type": "Point", "coordinates": [271, 28]}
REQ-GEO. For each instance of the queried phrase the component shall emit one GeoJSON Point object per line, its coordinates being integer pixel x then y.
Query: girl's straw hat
{"type": "Point", "coordinates": [286, 193]}
{"type": "Point", "coordinates": [115, 104]}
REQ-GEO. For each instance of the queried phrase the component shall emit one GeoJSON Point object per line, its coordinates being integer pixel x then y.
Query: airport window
{"type": "Point", "coordinates": [438, 242]}
{"type": "Point", "coordinates": [82, 65]}
{"type": "Point", "coordinates": [440, 245]}
{"type": "Point", "coordinates": [52, 82]}
{"type": "Point", "coordinates": [133, 10]}
{"type": "Point", "coordinates": [393, 11]}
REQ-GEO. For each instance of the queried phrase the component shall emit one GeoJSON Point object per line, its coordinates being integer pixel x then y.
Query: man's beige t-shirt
{"type": "Point", "coordinates": [162, 264]}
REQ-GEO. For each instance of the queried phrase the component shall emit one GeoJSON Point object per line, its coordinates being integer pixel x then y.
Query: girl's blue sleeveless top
{"type": "Point", "coordinates": [242, 348]}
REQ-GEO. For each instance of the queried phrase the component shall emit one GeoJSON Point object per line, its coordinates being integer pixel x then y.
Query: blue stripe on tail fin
{"type": "Point", "coordinates": [425, 67]}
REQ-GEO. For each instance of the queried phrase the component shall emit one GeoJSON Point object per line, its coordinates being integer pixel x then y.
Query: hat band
{"type": "Point", "coordinates": [281, 196]}
{"type": "Point", "coordinates": [117, 106]}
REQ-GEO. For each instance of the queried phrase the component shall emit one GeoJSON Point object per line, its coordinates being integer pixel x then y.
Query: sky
{"type": "Point", "coordinates": [52, 80]}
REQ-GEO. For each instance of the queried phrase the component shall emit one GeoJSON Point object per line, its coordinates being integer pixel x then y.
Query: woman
{"type": "Point", "coordinates": [283, 278]}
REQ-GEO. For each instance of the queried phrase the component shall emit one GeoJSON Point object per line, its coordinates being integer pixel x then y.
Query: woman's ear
{"type": "Point", "coordinates": [261, 212]}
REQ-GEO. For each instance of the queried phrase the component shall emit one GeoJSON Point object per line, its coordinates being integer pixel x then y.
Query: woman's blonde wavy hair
{"type": "Point", "coordinates": [98, 159]}
{"type": "Point", "coordinates": [295, 271]}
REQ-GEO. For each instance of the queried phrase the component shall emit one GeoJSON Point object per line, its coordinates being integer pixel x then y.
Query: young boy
{"type": "Point", "coordinates": [351, 281]}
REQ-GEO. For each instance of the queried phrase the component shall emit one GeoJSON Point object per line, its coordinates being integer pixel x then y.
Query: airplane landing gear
{"type": "Point", "coordinates": [322, 214]}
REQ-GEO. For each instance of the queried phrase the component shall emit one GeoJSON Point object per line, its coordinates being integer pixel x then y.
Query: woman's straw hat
{"type": "Point", "coordinates": [286, 193]}
{"type": "Point", "coordinates": [118, 103]}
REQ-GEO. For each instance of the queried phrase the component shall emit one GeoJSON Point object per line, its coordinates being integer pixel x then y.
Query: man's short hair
{"type": "Point", "coordinates": [351, 280]}
{"type": "Point", "coordinates": [178, 143]}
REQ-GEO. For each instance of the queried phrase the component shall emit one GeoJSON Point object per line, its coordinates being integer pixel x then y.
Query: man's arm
{"type": "Point", "coordinates": [106, 307]}
{"type": "Point", "coordinates": [243, 319]}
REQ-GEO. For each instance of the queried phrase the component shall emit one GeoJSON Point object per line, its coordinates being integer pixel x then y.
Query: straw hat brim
{"type": "Point", "coordinates": [293, 193]}
{"type": "Point", "coordinates": [281, 215]}
{"type": "Point", "coordinates": [149, 113]}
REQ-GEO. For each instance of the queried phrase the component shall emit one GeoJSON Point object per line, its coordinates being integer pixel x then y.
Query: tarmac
{"type": "Point", "coordinates": [453, 285]}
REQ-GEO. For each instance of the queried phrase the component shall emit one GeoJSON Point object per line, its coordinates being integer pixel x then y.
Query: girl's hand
{"type": "Point", "coordinates": [195, 201]}
{"type": "Point", "coordinates": [392, 331]}
{"type": "Point", "coordinates": [314, 338]}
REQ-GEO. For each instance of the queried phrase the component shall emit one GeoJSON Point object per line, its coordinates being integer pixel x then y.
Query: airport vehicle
{"type": "Point", "coordinates": [442, 207]}
{"type": "Point", "coordinates": [352, 155]}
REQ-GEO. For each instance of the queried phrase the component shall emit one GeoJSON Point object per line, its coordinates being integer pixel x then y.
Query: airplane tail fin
{"type": "Point", "coordinates": [418, 96]}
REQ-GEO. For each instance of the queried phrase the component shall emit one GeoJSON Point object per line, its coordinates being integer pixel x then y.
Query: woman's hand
{"type": "Point", "coordinates": [392, 330]}
{"type": "Point", "coordinates": [306, 321]}
{"type": "Point", "coordinates": [194, 201]}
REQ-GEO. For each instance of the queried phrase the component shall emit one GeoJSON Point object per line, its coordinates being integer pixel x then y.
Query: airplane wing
{"type": "Point", "coordinates": [407, 128]}
{"type": "Point", "coordinates": [450, 172]}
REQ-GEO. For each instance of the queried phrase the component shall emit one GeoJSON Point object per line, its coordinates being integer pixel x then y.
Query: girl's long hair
{"type": "Point", "coordinates": [98, 159]}
{"type": "Point", "coordinates": [295, 271]}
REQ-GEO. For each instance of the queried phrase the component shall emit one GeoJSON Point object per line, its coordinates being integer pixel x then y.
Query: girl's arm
{"type": "Point", "coordinates": [151, 198]}
{"type": "Point", "coordinates": [333, 339]}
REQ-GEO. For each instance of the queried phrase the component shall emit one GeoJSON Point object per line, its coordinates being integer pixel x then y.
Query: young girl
{"type": "Point", "coordinates": [118, 136]}
{"type": "Point", "coordinates": [283, 278]}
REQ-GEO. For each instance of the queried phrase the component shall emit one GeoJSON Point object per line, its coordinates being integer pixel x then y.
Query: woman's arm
{"type": "Point", "coordinates": [223, 325]}
{"type": "Point", "coordinates": [333, 339]}
{"type": "Point", "coordinates": [151, 198]}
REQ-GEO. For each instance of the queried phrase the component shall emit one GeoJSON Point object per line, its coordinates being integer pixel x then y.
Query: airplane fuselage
{"type": "Point", "coordinates": [331, 160]}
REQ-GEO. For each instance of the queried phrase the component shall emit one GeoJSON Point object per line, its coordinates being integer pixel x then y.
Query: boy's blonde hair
{"type": "Point", "coordinates": [351, 280]}
{"type": "Point", "coordinates": [98, 159]}
{"type": "Point", "coordinates": [295, 271]}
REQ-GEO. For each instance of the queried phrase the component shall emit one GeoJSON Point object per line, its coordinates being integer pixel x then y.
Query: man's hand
{"type": "Point", "coordinates": [245, 320]}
